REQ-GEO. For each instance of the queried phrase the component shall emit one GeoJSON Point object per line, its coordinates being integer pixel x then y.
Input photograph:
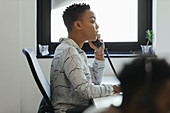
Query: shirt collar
{"type": "Point", "coordinates": [70, 42]}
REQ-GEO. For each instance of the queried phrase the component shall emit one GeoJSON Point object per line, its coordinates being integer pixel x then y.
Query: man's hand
{"type": "Point", "coordinates": [99, 52]}
{"type": "Point", "coordinates": [116, 89]}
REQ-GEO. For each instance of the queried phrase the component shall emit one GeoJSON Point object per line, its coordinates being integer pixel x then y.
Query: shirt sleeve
{"type": "Point", "coordinates": [78, 77]}
{"type": "Point", "coordinates": [97, 71]}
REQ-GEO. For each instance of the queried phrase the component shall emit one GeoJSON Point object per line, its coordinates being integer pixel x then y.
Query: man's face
{"type": "Point", "coordinates": [89, 26]}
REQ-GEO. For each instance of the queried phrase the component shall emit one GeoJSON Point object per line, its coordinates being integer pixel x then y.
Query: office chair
{"type": "Point", "coordinates": [41, 81]}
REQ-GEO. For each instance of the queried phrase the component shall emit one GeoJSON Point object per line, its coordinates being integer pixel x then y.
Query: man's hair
{"type": "Point", "coordinates": [133, 76]}
{"type": "Point", "coordinates": [73, 13]}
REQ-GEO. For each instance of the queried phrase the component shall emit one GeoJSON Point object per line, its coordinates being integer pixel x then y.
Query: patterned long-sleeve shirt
{"type": "Point", "coordinates": [72, 81]}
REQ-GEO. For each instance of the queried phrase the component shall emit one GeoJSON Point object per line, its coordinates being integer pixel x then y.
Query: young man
{"type": "Point", "coordinates": [145, 84]}
{"type": "Point", "coordinates": [73, 82]}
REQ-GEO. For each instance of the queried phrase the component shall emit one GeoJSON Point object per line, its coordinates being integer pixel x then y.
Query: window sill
{"type": "Point", "coordinates": [113, 55]}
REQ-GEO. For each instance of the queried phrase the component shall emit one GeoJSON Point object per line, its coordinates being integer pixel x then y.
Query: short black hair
{"type": "Point", "coordinates": [73, 13]}
{"type": "Point", "coordinates": [133, 76]}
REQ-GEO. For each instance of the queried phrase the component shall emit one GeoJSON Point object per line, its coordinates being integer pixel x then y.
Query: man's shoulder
{"type": "Point", "coordinates": [65, 48]}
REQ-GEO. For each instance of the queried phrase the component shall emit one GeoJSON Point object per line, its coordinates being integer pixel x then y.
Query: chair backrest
{"type": "Point", "coordinates": [38, 75]}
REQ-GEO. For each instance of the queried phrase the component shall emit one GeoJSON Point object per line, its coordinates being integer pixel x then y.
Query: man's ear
{"type": "Point", "coordinates": [77, 25]}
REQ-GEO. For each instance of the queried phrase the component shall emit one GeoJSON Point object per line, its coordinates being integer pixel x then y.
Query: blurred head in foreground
{"type": "Point", "coordinates": [145, 84]}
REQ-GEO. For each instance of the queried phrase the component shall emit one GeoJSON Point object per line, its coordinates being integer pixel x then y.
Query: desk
{"type": "Point", "coordinates": [100, 104]}
{"type": "Point", "coordinates": [104, 102]}
{"type": "Point", "coordinates": [115, 99]}
{"type": "Point", "coordinates": [110, 80]}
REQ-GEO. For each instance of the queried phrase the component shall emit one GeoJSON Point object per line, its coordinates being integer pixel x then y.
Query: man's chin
{"type": "Point", "coordinates": [94, 39]}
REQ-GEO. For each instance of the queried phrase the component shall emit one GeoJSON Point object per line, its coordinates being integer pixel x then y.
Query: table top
{"type": "Point", "coordinates": [110, 80]}
{"type": "Point", "coordinates": [104, 102]}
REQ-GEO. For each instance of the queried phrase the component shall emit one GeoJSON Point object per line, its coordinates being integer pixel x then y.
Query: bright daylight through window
{"type": "Point", "coordinates": [117, 20]}
{"type": "Point", "coordinates": [122, 24]}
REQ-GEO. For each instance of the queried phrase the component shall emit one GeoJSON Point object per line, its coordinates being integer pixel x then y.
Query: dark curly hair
{"type": "Point", "coordinates": [73, 13]}
{"type": "Point", "coordinates": [133, 76]}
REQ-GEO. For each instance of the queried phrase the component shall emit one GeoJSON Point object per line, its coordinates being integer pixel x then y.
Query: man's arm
{"type": "Point", "coordinates": [81, 80]}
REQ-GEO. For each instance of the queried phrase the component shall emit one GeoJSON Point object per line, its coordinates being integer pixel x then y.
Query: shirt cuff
{"type": "Point", "coordinates": [101, 63]}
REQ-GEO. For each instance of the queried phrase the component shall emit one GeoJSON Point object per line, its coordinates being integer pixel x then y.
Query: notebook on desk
{"type": "Point", "coordinates": [110, 80]}
{"type": "Point", "coordinates": [104, 102]}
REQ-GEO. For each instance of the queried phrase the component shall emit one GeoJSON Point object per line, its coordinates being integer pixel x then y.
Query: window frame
{"type": "Point", "coordinates": [144, 23]}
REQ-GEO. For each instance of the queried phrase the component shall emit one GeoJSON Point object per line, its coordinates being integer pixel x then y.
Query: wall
{"type": "Point", "coordinates": [18, 91]}
{"type": "Point", "coordinates": [162, 28]}
{"type": "Point", "coordinates": [9, 56]}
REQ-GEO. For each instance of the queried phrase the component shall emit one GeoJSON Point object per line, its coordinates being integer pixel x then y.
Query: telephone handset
{"type": "Point", "coordinates": [97, 43]}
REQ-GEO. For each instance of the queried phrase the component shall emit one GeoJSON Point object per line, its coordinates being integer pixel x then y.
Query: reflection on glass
{"type": "Point", "coordinates": [117, 19]}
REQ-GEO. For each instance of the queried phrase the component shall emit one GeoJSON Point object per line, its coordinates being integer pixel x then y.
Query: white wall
{"type": "Point", "coordinates": [9, 56]}
{"type": "Point", "coordinates": [162, 28]}
{"type": "Point", "coordinates": [18, 91]}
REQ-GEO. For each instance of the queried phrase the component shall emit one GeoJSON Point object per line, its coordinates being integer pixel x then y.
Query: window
{"type": "Point", "coordinates": [122, 23]}
{"type": "Point", "coordinates": [113, 19]}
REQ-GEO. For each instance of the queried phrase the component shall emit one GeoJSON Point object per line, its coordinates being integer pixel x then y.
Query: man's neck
{"type": "Point", "coordinates": [77, 39]}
